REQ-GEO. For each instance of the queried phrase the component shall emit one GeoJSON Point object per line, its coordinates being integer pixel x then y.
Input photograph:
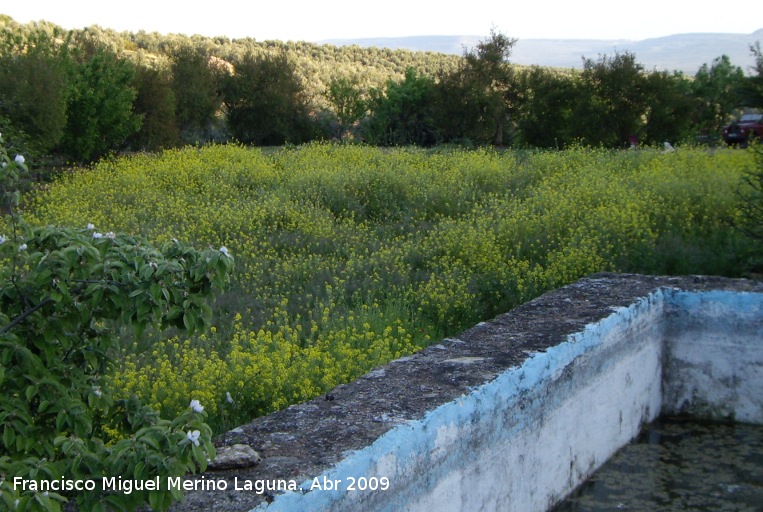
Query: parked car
{"type": "Point", "coordinates": [745, 128]}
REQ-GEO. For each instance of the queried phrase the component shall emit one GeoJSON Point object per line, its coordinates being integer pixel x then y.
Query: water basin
{"type": "Point", "coordinates": [679, 464]}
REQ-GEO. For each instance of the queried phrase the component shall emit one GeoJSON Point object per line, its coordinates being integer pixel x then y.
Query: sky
{"type": "Point", "coordinates": [316, 20]}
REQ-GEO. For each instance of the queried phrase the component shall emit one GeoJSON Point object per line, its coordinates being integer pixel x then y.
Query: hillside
{"type": "Point", "coordinates": [316, 63]}
{"type": "Point", "coordinates": [682, 52]}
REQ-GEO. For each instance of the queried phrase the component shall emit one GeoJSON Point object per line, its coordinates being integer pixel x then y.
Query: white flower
{"type": "Point", "coordinates": [97, 235]}
{"type": "Point", "coordinates": [2, 239]}
{"type": "Point", "coordinates": [90, 227]}
{"type": "Point", "coordinates": [19, 159]}
{"type": "Point", "coordinates": [22, 247]}
{"type": "Point", "coordinates": [228, 398]}
{"type": "Point", "coordinates": [193, 436]}
{"type": "Point", "coordinates": [224, 250]}
{"type": "Point", "coordinates": [97, 391]}
{"type": "Point", "coordinates": [196, 406]}
{"type": "Point", "coordinates": [111, 235]}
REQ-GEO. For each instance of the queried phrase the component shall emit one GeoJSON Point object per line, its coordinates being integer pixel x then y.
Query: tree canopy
{"type": "Point", "coordinates": [105, 91]}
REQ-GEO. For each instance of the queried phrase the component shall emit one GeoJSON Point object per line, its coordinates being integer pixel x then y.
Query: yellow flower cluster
{"type": "Point", "coordinates": [350, 256]}
{"type": "Point", "coordinates": [261, 372]}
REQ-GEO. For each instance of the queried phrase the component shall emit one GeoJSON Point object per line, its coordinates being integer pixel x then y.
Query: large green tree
{"type": "Point", "coordinates": [546, 118]}
{"type": "Point", "coordinates": [488, 65]}
{"type": "Point", "coordinates": [671, 105]}
{"type": "Point", "coordinates": [478, 100]}
{"type": "Point", "coordinates": [718, 90]}
{"type": "Point", "coordinates": [402, 112]}
{"type": "Point", "coordinates": [265, 102]}
{"type": "Point", "coordinates": [34, 88]}
{"type": "Point", "coordinates": [100, 116]}
{"type": "Point", "coordinates": [196, 90]}
{"type": "Point", "coordinates": [155, 102]}
{"type": "Point", "coordinates": [617, 99]}
{"type": "Point", "coordinates": [346, 99]}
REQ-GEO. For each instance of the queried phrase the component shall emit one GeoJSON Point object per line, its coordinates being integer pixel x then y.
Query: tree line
{"type": "Point", "coordinates": [80, 95]}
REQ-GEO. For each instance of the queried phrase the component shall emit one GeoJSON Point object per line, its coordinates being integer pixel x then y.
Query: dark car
{"type": "Point", "coordinates": [741, 131]}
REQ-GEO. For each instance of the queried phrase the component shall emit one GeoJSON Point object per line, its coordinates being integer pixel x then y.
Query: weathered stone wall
{"type": "Point", "coordinates": [515, 412]}
{"type": "Point", "coordinates": [714, 355]}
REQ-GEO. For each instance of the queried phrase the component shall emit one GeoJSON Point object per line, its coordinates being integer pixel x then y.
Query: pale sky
{"type": "Point", "coordinates": [315, 20]}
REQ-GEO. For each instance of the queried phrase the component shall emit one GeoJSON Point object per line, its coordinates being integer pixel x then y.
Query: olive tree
{"type": "Point", "coordinates": [346, 99]}
{"type": "Point", "coordinates": [478, 100]}
{"type": "Point", "coordinates": [34, 88]}
{"type": "Point", "coordinates": [265, 101]}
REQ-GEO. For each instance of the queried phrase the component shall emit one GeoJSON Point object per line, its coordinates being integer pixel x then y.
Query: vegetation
{"type": "Point", "coordinates": [347, 102]}
{"type": "Point", "coordinates": [34, 89]}
{"type": "Point", "coordinates": [105, 92]}
{"type": "Point", "coordinates": [65, 295]}
{"type": "Point", "coordinates": [264, 102]}
{"type": "Point", "coordinates": [346, 255]}
{"type": "Point", "coordinates": [99, 110]}
{"type": "Point", "coordinates": [349, 256]}
{"type": "Point", "coordinates": [194, 88]}
{"type": "Point", "coordinates": [752, 206]}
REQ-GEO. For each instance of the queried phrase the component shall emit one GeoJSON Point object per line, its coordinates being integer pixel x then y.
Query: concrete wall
{"type": "Point", "coordinates": [714, 355]}
{"type": "Point", "coordinates": [515, 413]}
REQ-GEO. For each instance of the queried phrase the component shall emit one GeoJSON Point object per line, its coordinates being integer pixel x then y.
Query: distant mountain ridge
{"type": "Point", "coordinates": [679, 52]}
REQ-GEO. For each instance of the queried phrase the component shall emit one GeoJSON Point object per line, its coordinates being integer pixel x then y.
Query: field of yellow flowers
{"type": "Point", "coordinates": [350, 256]}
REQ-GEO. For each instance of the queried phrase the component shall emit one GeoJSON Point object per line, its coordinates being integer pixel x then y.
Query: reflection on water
{"type": "Point", "coordinates": [679, 465]}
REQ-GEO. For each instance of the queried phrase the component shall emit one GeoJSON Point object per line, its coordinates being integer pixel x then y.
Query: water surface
{"type": "Point", "coordinates": [679, 465]}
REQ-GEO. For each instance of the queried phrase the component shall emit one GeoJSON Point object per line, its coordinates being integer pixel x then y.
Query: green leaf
{"type": "Point", "coordinates": [45, 502]}
{"type": "Point", "coordinates": [91, 358]}
{"type": "Point", "coordinates": [60, 421]}
{"type": "Point", "coordinates": [155, 499]}
{"type": "Point", "coordinates": [174, 312]}
{"type": "Point", "coordinates": [206, 314]}
{"type": "Point", "coordinates": [146, 272]}
{"type": "Point", "coordinates": [138, 472]}
{"type": "Point", "coordinates": [142, 311]}
{"type": "Point", "coordinates": [9, 437]}
{"type": "Point", "coordinates": [155, 291]}
{"type": "Point", "coordinates": [30, 392]}
{"type": "Point", "coordinates": [150, 441]}
{"type": "Point", "coordinates": [176, 493]}
{"type": "Point", "coordinates": [97, 297]}
{"type": "Point", "coordinates": [189, 320]}
{"type": "Point", "coordinates": [43, 278]}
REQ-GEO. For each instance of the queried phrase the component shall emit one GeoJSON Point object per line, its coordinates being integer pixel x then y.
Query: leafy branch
{"type": "Point", "coordinates": [60, 290]}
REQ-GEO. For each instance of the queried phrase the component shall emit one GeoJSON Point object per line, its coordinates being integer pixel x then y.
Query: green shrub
{"type": "Point", "coordinates": [63, 294]}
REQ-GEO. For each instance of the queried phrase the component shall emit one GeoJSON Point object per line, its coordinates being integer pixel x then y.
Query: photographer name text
{"type": "Point", "coordinates": [259, 486]}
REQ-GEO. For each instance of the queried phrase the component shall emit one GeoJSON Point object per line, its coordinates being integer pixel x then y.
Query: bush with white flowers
{"type": "Point", "coordinates": [64, 292]}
